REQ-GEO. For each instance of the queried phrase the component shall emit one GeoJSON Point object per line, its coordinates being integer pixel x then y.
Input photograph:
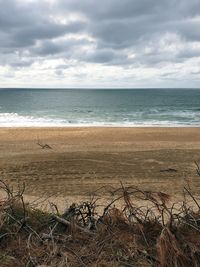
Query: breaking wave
{"type": "Point", "coordinates": [139, 120]}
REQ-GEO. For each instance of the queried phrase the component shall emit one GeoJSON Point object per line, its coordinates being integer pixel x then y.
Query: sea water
{"type": "Point", "coordinates": [87, 107]}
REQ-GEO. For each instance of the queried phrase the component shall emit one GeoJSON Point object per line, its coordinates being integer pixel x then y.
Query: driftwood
{"type": "Point", "coordinates": [197, 168]}
{"type": "Point", "coordinates": [68, 223]}
{"type": "Point", "coordinates": [169, 170]}
{"type": "Point", "coordinates": [44, 146]}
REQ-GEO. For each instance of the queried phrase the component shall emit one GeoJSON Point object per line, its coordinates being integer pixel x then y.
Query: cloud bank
{"type": "Point", "coordinates": [107, 43]}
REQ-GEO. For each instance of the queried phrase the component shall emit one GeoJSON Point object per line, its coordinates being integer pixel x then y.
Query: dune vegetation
{"type": "Point", "coordinates": [135, 228]}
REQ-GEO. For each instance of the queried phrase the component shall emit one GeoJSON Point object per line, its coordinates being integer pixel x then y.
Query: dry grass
{"type": "Point", "coordinates": [136, 228]}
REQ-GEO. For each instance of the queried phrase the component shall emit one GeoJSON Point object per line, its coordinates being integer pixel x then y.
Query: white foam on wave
{"type": "Point", "coordinates": [16, 120]}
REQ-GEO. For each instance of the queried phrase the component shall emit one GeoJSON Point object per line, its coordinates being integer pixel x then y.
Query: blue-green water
{"type": "Point", "coordinates": [56, 107]}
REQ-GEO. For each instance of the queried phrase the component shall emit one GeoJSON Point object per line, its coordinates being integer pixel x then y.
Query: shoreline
{"type": "Point", "coordinates": [100, 126]}
{"type": "Point", "coordinates": [93, 126]}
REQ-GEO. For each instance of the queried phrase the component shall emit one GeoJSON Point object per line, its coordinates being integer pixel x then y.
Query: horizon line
{"type": "Point", "coordinates": [99, 88]}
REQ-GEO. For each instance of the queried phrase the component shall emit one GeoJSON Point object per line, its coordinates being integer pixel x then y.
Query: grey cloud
{"type": "Point", "coordinates": [27, 36]}
{"type": "Point", "coordinates": [47, 30]}
{"type": "Point", "coordinates": [15, 61]}
{"type": "Point", "coordinates": [112, 9]}
{"type": "Point", "coordinates": [120, 35]}
{"type": "Point", "coordinates": [59, 72]}
{"type": "Point", "coordinates": [61, 67]}
{"type": "Point", "coordinates": [99, 56]}
{"type": "Point", "coordinates": [22, 24]}
{"type": "Point", "coordinates": [19, 14]}
{"type": "Point", "coordinates": [112, 28]}
{"type": "Point", "coordinates": [168, 74]}
{"type": "Point", "coordinates": [21, 63]}
{"type": "Point", "coordinates": [123, 23]}
{"type": "Point", "coordinates": [189, 53]}
{"type": "Point", "coordinates": [64, 48]}
{"type": "Point", "coordinates": [47, 48]}
{"type": "Point", "coordinates": [157, 60]}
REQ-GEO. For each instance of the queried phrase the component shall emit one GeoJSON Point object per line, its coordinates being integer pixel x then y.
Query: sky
{"type": "Point", "coordinates": [100, 44]}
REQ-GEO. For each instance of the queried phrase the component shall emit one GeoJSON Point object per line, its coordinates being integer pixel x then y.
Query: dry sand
{"type": "Point", "coordinates": [83, 159]}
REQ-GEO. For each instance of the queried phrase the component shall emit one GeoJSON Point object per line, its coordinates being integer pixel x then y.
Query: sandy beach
{"type": "Point", "coordinates": [84, 159]}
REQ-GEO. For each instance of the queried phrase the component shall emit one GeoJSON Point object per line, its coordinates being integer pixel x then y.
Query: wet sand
{"type": "Point", "coordinates": [83, 159]}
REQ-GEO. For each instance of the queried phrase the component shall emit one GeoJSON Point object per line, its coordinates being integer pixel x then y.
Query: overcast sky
{"type": "Point", "coordinates": [93, 43]}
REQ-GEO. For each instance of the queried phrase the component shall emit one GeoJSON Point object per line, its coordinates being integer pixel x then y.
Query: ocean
{"type": "Point", "coordinates": [81, 107]}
